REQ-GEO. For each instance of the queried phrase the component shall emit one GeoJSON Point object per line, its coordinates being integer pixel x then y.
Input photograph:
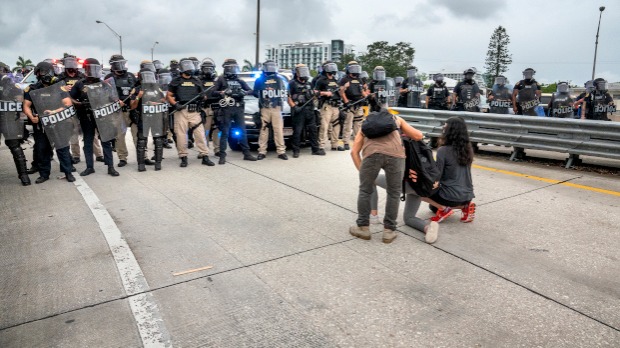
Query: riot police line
{"type": "Point", "coordinates": [190, 105]}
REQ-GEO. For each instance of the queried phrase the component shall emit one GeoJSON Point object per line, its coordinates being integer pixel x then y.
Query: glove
{"type": "Point", "coordinates": [178, 106]}
{"type": "Point", "coordinates": [228, 92]}
{"type": "Point", "coordinates": [297, 109]}
{"type": "Point", "coordinates": [238, 95]}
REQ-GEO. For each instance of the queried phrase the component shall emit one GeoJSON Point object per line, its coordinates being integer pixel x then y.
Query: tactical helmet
{"type": "Point", "coordinates": [174, 64]}
{"type": "Point", "coordinates": [412, 71]}
{"type": "Point", "coordinates": [528, 73]}
{"type": "Point", "coordinates": [500, 80]}
{"type": "Point", "coordinates": [186, 66]}
{"type": "Point", "coordinates": [589, 85]}
{"type": "Point", "coordinates": [147, 64]}
{"type": "Point", "coordinates": [231, 68]}
{"type": "Point", "coordinates": [353, 68]}
{"type": "Point", "coordinates": [196, 63]}
{"type": "Point", "coordinates": [208, 68]}
{"type": "Point", "coordinates": [302, 72]}
{"type": "Point", "coordinates": [438, 77]}
{"type": "Point", "coordinates": [118, 63]}
{"type": "Point", "coordinates": [44, 71]}
{"type": "Point", "coordinates": [270, 67]}
{"type": "Point", "coordinates": [378, 73]}
{"type": "Point", "coordinates": [146, 76]}
{"type": "Point", "coordinates": [158, 65]}
{"type": "Point", "coordinates": [398, 80]}
{"type": "Point", "coordinates": [330, 67]}
{"type": "Point", "coordinates": [92, 68]}
{"type": "Point", "coordinates": [164, 76]}
{"type": "Point", "coordinates": [562, 87]}
{"type": "Point", "coordinates": [600, 84]}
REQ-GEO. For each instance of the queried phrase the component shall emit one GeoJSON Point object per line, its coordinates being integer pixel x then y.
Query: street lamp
{"type": "Point", "coordinates": [602, 8]}
{"type": "Point", "coordinates": [153, 49]}
{"type": "Point", "coordinates": [120, 38]}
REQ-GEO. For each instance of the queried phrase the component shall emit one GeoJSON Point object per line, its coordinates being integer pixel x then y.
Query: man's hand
{"type": "Point", "coordinates": [436, 185]}
{"type": "Point", "coordinates": [178, 106]}
{"type": "Point", "coordinates": [413, 175]}
{"type": "Point", "coordinates": [35, 119]}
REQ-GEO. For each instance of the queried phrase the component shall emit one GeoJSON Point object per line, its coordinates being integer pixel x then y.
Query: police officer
{"type": "Point", "coordinates": [124, 81]}
{"type": "Point", "coordinates": [599, 103]}
{"type": "Point", "coordinates": [232, 90]}
{"type": "Point", "coordinates": [412, 88]}
{"type": "Point", "coordinates": [438, 95]}
{"type": "Point", "coordinates": [44, 72]}
{"type": "Point", "coordinates": [270, 90]}
{"type": "Point", "coordinates": [92, 71]}
{"type": "Point", "coordinates": [581, 98]}
{"type": "Point", "coordinates": [301, 100]}
{"type": "Point", "coordinates": [500, 100]}
{"type": "Point", "coordinates": [164, 77]}
{"type": "Point", "coordinates": [329, 105]}
{"type": "Point", "coordinates": [526, 94]}
{"type": "Point", "coordinates": [185, 94]}
{"type": "Point", "coordinates": [14, 144]}
{"type": "Point", "coordinates": [136, 97]}
{"type": "Point", "coordinates": [401, 102]}
{"type": "Point", "coordinates": [378, 89]}
{"type": "Point", "coordinates": [561, 103]}
{"type": "Point", "coordinates": [353, 92]}
{"type": "Point", "coordinates": [211, 106]}
{"type": "Point", "coordinates": [466, 94]}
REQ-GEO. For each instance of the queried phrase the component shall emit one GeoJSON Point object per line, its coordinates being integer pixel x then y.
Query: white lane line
{"type": "Point", "coordinates": [145, 311]}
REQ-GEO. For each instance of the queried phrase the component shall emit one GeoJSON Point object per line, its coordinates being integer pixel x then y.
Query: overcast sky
{"type": "Point", "coordinates": [555, 37]}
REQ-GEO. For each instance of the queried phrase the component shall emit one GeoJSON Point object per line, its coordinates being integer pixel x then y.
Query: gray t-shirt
{"type": "Point", "coordinates": [455, 183]}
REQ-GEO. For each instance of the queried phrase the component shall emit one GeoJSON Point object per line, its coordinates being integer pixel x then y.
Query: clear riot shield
{"type": "Point", "coordinates": [415, 90]}
{"type": "Point", "coordinates": [56, 113]}
{"type": "Point", "coordinates": [106, 108]}
{"type": "Point", "coordinates": [154, 110]}
{"type": "Point", "coordinates": [11, 97]}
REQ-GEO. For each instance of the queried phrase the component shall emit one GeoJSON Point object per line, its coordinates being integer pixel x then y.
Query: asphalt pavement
{"type": "Point", "coordinates": [258, 254]}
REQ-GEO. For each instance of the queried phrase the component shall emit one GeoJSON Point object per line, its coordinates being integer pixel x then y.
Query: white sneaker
{"type": "Point", "coordinates": [375, 220]}
{"type": "Point", "coordinates": [432, 232]}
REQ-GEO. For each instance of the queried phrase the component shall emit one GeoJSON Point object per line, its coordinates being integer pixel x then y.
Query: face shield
{"type": "Point", "coordinates": [438, 78]}
{"type": "Point", "coordinates": [158, 65]}
{"type": "Point", "coordinates": [411, 73]}
{"type": "Point", "coordinates": [500, 80]}
{"type": "Point", "coordinates": [164, 78]}
{"type": "Point", "coordinates": [118, 65]}
{"type": "Point", "coordinates": [148, 77]}
{"type": "Point", "coordinates": [562, 88]}
{"type": "Point", "coordinates": [92, 70]}
{"type": "Point", "coordinates": [196, 64]}
{"type": "Point", "coordinates": [355, 69]}
{"type": "Point", "coordinates": [186, 66]}
{"type": "Point", "coordinates": [270, 67]}
{"type": "Point", "coordinates": [601, 85]}
{"type": "Point", "coordinates": [528, 74]}
{"type": "Point", "coordinates": [398, 80]}
{"type": "Point", "coordinates": [378, 75]}
{"type": "Point", "coordinates": [331, 68]}
{"type": "Point", "coordinates": [231, 69]}
{"type": "Point", "coordinates": [70, 63]}
{"type": "Point", "coordinates": [303, 73]}
{"type": "Point", "coordinates": [58, 69]}
{"type": "Point", "coordinates": [148, 66]}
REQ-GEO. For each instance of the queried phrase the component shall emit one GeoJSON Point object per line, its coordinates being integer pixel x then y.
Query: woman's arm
{"type": "Point", "coordinates": [409, 131]}
{"type": "Point", "coordinates": [356, 149]}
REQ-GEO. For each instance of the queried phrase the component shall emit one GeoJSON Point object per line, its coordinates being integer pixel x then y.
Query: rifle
{"type": "Point", "coordinates": [201, 94]}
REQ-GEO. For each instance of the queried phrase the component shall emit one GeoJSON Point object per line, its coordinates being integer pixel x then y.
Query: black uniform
{"type": "Point", "coordinates": [438, 97]}
{"type": "Point", "coordinates": [527, 100]}
{"type": "Point", "coordinates": [142, 140]}
{"type": "Point", "coordinates": [468, 96]}
{"type": "Point", "coordinates": [598, 106]}
{"type": "Point", "coordinates": [303, 114]}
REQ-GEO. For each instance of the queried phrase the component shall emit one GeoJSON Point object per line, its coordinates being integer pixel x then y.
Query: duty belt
{"type": "Point", "coordinates": [334, 103]}
{"type": "Point", "coordinates": [191, 107]}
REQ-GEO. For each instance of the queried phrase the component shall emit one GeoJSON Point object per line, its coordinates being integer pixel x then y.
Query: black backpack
{"type": "Point", "coordinates": [378, 124]}
{"type": "Point", "coordinates": [420, 159]}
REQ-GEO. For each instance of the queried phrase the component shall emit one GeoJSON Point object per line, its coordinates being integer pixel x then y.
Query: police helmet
{"type": "Point", "coordinates": [412, 71]}
{"type": "Point", "coordinates": [330, 67]}
{"type": "Point", "coordinates": [158, 65]}
{"type": "Point", "coordinates": [270, 67]}
{"type": "Point", "coordinates": [208, 67]}
{"type": "Point", "coordinates": [231, 68]}
{"type": "Point", "coordinates": [147, 64]}
{"type": "Point", "coordinates": [500, 80]}
{"type": "Point", "coordinates": [378, 73]}
{"type": "Point", "coordinates": [364, 74]}
{"type": "Point", "coordinates": [92, 68]}
{"type": "Point", "coordinates": [600, 84]}
{"type": "Point", "coordinates": [438, 78]}
{"type": "Point", "coordinates": [174, 64]}
{"type": "Point", "coordinates": [146, 76]}
{"type": "Point", "coordinates": [353, 68]}
{"type": "Point", "coordinates": [562, 87]}
{"type": "Point", "coordinates": [589, 85]}
{"type": "Point", "coordinates": [44, 71]}
{"type": "Point", "coordinates": [398, 80]}
{"type": "Point", "coordinates": [186, 66]}
{"type": "Point", "coordinates": [196, 63]}
{"type": "Point", "coordinates": [118, 63]}
{"type": "Point", "coordinates": [528, 73]}
{"type": "Point", "coordinates": [302, 72]}
{"type": "Point", "coordinates": [164, 76]}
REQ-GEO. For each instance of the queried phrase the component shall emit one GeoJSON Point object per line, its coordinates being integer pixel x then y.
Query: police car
{"type": "Point", "coordinates": [252, 115]}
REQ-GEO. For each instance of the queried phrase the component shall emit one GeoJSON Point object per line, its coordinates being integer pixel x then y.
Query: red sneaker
{"type": "Point", "coordinates": [469, 212]}
{"type": "Point", "coordinates": [442, 214]}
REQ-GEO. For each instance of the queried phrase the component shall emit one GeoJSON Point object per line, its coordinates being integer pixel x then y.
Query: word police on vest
{"type": "Point", "coordinates": [10, 106]}
{"type": "Point", "coordinates": [154, 108]}
{"type": "Point", "coordinates": [107, 109]}
{"type": "Point", "coordinates": [58, 116]}
{"type": "Point", "coordinates": [275, 93]}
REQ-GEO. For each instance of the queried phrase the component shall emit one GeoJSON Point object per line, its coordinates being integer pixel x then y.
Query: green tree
{"type": "Point", "coordinates": [498, 57]}
{"type": "Point", "coordinates": [345, 59]}
{"type": "Point", "coordinates": [394, 58]}
{"type": "Point", "coordinates": [21, 63]}
{"type": "Point", "coordinates": [248, 66]}
{"type": "Point", "coordinates": [550, 88]}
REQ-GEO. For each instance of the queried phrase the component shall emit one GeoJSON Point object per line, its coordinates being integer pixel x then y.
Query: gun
{"type": "Point", "coordinates": [199, 95]}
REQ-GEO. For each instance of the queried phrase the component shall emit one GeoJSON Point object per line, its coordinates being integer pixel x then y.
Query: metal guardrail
{"type": "Point", "coordinates": [571, 136]}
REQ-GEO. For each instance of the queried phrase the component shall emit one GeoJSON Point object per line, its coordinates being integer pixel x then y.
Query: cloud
{"type": "Point", "coordinates": [476, 9]}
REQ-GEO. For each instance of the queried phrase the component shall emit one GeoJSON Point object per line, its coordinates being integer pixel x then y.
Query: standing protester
{"type": "Point", "coordinates": [301, 100]}
{"type": "Point", "coordinates": [352, 92]}
{"type": "Point", "coordinates": [387, 153]}
{"type": "Point", "coordinates": [329, 103]}
{"type": "Point", "coordinates": [186, 95]}
{"type": "Point", "coordinates": [79, 94]}
{"type": "Point", "coordinates": [125, 81]}
{"type": "Point", "coordinates": [561, 103]}
{"type": "Point", "coordinates": [270, 90]}
{"type": "Point", "coordinates": [49, 104]}
{"type": "Point", "coordinates": [500, 100]}
{"type": "Point", "coordinates": [11, 125]}
{"type": "Point", "coordinates": [466, 96]}
{"type": "Point", "coordinates": [599, 103]}
{"type": "Point", "coordinates": [412, 88]}
{"type": "Point", "coordinates": [211, 106]}
{"type": "Point", "coordinates": [378, 89]}
{"type": "Point", "coordinates": [438, 95]}
{"type": "Point", "coordinates": [526, 94]}
{"type": "Point", "coordinates": [232, 90]}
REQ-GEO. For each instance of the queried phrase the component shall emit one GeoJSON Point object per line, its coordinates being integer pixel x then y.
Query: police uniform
{"type": "Point", "coordinates": [303, 116]}
{"type": "Point", "coordinates": [158, 141]}
{"type": "Point", "coordinates": [330, 112]}
{"type": "Point", "coordinates": [354, 114]}
{"type": "Point", "coordinates": [124, 84]}
{"type": "Point", "coordinates": [211, 109]}
{"type": "Point", "coordinates": [271, 91]}
{"type": "Point", "coordinates": [467, 96]}
{"type": "Point", "coordinates": [598, 105]}
{"type": "Point", "coordinates": [526, 97]}
{"type": "Point", "coordinates": [437, 97]}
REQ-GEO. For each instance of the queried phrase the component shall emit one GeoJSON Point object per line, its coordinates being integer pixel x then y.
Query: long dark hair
{"type": "Point", "coordinates": [455, 135]}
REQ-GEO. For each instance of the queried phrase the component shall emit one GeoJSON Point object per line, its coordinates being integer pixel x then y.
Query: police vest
{"type": "Point", "coordinates": [438, 95]}
{"type": "Point", "coordinates": [333, 87]}
{"type": "Point", "coordinates": [562, 106]}
{"type": "Point", "coordinates": [208, 83]}
{"type": "Point", "coordinates": [124, 84]}
{"type": "Point", "coordinates": [468, 97]}
{"type": "Point", "coordinates": [528, 101]}
{"type": "Point", "coordinates": [235, 87]}
{"type": "Point", "coordinates": [187, 89]}
{"type": "Point", "coordinates": [303, 92]}
{"type": "Point", "coordinates": [272, 91]}
{"type": "Point", "coordinates": [354, 92]}
{"type": "Point", "coordinates": [600, 107]}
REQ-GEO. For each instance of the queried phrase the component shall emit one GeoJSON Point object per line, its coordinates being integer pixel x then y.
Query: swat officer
{"type": "Point", "coordinates": [526, 94]}
{"type": "Point", "coordinates": [500, 100]}
{"type": "Point", "coordinates": [599, 103]}
{"type": "Point", "coordinates": [211, 105]}
{"type": "Point", "coordinates": [378, 89]}
{"type": "Point", "coordinates": [12, 105]}
{"type": "Point", "coordinates": [186, 95]}
{"type": "Point", "coordinates": [329, 105]}
{"type": "Point", "coordinates": [582, 97]}
{"type": "Point", "coordinates": [271, 91]}
{"type": "Point", "coordinates": [412, 88]}
{"type": "Point", "coordinates": [92, 71]}
{"type": "Point", "coordinates": [353, 92]}
{"type": "Point", "coordinates": [561, 103]}
{"type": "Point", "coordinates": [438, 95]}
{"type": "Point", "coordinates": [44, 72]}
{"type": "Point", "coordinates": [301, 100]}
{"type": "Point", "coordinates": [466, 94]}
{"type": "Point", "coordinates": [231, 90]}
{"type": "Point", "coordinates": [124, 81]}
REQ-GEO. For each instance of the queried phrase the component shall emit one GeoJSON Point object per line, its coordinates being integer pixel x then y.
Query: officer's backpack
{"type": "Point", "coordinates": [420, 159]}
{"type": "Point", "coordinates": [378, 124]}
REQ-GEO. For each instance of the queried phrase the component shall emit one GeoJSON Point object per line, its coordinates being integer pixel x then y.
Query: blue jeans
{"type": "Point", "coordinates": [226, 116]}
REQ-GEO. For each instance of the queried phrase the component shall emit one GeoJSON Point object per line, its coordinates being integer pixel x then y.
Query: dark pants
{"type": "Point", "coordinates": [226, 116]}
{"type": "Point", "coordinates": [305, 119]}
{"type": "Point", "coordinates": [43, 153]}
{"type": "Point", "coordinates": [88, 130]}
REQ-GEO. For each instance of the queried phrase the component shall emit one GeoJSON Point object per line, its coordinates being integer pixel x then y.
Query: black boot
{"type": "Point", "coordinates": [207, 162]}
{"type": "Point", "coordinates": [112, 171]}
{"type": "Point", "coordinates": [141, 153]}
{"type": "Point", "coordinates": [159, 152]}
{"type": "Point", "coordinates": [21, 165]}
{"type": "Point", "coordinates": [183, 162]}
{"type": "Point", "coordinates": [247, 156]}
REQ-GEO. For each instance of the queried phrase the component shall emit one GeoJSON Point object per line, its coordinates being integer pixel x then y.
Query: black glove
{"type": "Point", "coordinates": [238, 95]}
{"type": "Point", "coordinates": [228, 92]}
{"type": "Point", "coordinates": [297, 109]}
{"type": "Point", "coordinates": [178, 106]}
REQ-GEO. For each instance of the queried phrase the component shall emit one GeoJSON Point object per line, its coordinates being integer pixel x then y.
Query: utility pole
{"type": "Point", "coordinates": [257, 33]}
{"type": "Point", "coordinates": [602, 8]}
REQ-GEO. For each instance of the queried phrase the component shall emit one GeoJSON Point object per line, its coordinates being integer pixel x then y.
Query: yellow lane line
{"type": "Point", "coordinates": [192, 270]}
{"type": "Point", "coordinates": [551, 181]}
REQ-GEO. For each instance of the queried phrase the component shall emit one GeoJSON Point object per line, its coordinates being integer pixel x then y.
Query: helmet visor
{"type": "Point", "coordinates": [148, 77]}
{"type": "Point", "coordinates": [70, 63]}
{"type": "Point", "coordinates": [58, 69]}
{"type": "Point", "coordinates": [355, 69]}
{"type": "Point", "coordinates": [330, 68]}
{"type": "Point", "coordinates": [270, 67]}
{"type": "Point", "coordinates": [186, 66]}
{"type": "Point", "coordinates": [438, 78]}
{"type": "Point", "coordinates": [500, 80]}
{"type": "Point", "coordinates": [149, 66]}
{"type": "Point", "coordinates": [562, 88]}
{"type": "Point", "coordinates": [378, 75]}
{"type": "Point", "coordinates": [118, 65]}
{"type": "Point", "coordinates": [528, 74]}
{"type": "Point", "coordinates": [303, 71]}
{"type": "Point", "coordinates": [92, 70]}
{"type": "Point", "coordinates": [601, 85]}
{"type": "Point", "coordinates": [231, 69]}
{"type": "Point", "coordinates": [158, 65]}
{"type": "Point", "coordinates": [165, 78]}
{"type": "Point", "coordinates": [411, 72]}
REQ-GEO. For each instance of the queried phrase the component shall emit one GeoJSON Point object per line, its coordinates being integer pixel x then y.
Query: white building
{"type": "Point", "coordinates": [312, 54]}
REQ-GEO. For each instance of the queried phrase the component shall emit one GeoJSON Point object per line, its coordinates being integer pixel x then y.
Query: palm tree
{"type": "Point", "coordinates": [21, 63]}
{"type": "Point", "coordinates": [248, 66]}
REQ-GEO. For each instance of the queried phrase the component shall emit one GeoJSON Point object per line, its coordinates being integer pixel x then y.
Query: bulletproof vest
{"type": "Point", "coordinates": [69, 81]}
{"type": "Point", "coordinates": [438, 96]}
{"type": "Point", "coordinates": [502, 101]}
{"type": "Point", "coordinates": [303, 92]}
{"type": "Point", "coordinates": [332, 86]}
{"type": "Point", "coordinates": [354, 92]}
{"type": "Point", "coordinates": [273, 91]}
{"type": "Point", "coordinates": [561, 106]}
{"type": "Point", "coordinates": [414, 89]}
{"type": "Point", "coordinates": [527, 99]}
{"type": "Point", "coordinates": [382, 93]}
{"type": "Point", "coordinates": [235, 86]}
{"type": "Point", "coordinates": [468, 97]}
{"type": "Point", "coordinates": [124, 84]}
{"type": "Point", "coordinates": [187, 90]}
{"type": "Point", "coordinates": [208, 83]}
{"type": "Point", "coordinates": [600, 108]}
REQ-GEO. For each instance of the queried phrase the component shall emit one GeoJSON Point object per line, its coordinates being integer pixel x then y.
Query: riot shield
{"type": "Point", "coordinates": [106, 108]}
{"type": "Point", "coordinates": [414, 92]}
{"type": "Point", "coordinates": [56, 113]}
{"type": "Point", "coordinates": [501, 102]}
{"type": "Point", "coordinates": [469, 97]}
{"type": "Point", "coordinates": [562, 106]}
{"type": "Point", "coordinates": [154, 110]}
{"type": "Point", "coordinates": [528, 101]}
{"type": "Point", "coordinates": [11, 97]}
